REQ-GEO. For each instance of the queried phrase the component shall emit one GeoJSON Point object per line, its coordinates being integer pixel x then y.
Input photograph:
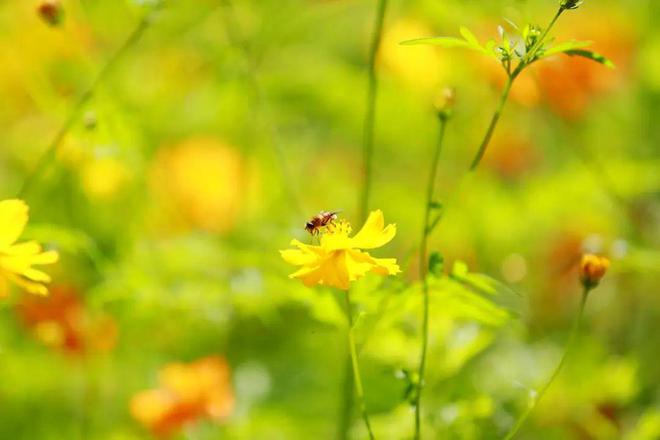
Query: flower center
{"type": "Point", "coordinates": [339, 227]}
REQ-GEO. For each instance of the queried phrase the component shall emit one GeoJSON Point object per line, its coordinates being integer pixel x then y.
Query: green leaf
{"type": "Point", "coordinates": [470, 38]}
{"type": "Point", "coordinates": [565, 46]}
{"type": "Point", "coordinates": [592, 56]}
{"type": "Point", "coordinates": [447, 42]}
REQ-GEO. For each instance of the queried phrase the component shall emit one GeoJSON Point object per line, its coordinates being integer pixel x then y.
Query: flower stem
{"type": "Point", "coordinates": [423, 271]}
{"type": "Point", "coordinates": [493, 123]}
{"type": "Point", "coordinates": [526, 61]}
{"type": "Point", "coordinates": [48, 155]}
{"type": "Point", "coordinates": [370, 115]}
{"type": "Point", "coordinates": [569, 347]}
{"type": "Point", "coordinates": [356, 367]}
{"type": "Point", "coordinates": [367, 159]}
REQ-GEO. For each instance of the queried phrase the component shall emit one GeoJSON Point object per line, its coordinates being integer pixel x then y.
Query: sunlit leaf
{"type": "Point", "coordinates": [591, 55]}
{"type": "Point", "coordinates": [565, 46]}
{"type": "Point", "coordinates": [470, 38]}
{"type": "Point", "coordinates": [447, 42]}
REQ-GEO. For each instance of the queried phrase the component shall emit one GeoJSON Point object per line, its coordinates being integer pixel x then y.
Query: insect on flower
{"type": "Point", "coordinates": [321, 220]}
{"type": "Point", "coordinates": [339, 258]}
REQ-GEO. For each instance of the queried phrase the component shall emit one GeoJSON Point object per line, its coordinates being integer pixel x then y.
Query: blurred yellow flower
{"type": "Point", "coordinates": [188, 392]}
{"type": "Point", "coordinates": [102, 179]}
{"type": "Point", "coordinates": [202, 182]}
{"type": "Point", "coordinates": [419, 67]}
{"type": "Point", "coordinates": [16, 259]}
{"type": "Point", "coordinates": [338, 260]}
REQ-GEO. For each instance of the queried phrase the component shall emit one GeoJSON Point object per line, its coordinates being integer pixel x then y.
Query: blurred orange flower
{"type": "Point", "coordinates": [200, 181]}
{"type": "Point", "coordinates": [62, 322]}
{"type": "Point", "coordinates": [187, 393]}
{"type": "Point", "coordinates": [568, 84]}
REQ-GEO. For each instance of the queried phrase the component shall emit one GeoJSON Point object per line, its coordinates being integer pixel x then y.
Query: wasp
{"type": "Point", "coordinates": [322, 219]}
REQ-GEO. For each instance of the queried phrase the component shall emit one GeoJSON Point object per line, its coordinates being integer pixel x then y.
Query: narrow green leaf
{"type": "Point", "coordinates": [592, 56]}
{"type": "Point", "coordinates": [470, 38]}
{"type": "Point", "coordinates": [565, 46]}
{"type": "Point", "coordinates": [438, 41]}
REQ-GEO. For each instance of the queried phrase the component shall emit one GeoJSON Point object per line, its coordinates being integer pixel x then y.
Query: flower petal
{"type": "Point", "coordinates": [386, 266]}
{"type": "Point", "coordinates": [374, 234]}
{"type": "Point", "coordinates": [13, 218]}
{"type": "Point", "coordinates": [358, 263]}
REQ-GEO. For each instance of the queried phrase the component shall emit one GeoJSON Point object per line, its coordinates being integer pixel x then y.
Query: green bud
{"type": "Point", "coordinates": [570, 4]}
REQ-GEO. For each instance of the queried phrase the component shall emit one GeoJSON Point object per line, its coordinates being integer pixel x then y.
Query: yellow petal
{"type": "Point", "coordinates": [302, 256]}
{"type": "Point", "coordinates": [13, 218]}
{"type": "Point", "coordinates": [310, 276]}
{"type": "Point", "coordinates": [335, 272]}
{"type": "Point", "coordinates": [27, 248]}
{"type": "Point", "coordinates": [29, 286]}
{"type": "Point", "coordinates": [374, 234]}
{"type": "Point", "coordinates": [358, 264]}
{"type": "Point", "coordinates": [48, 257]}
{"type": "Point", "coordinates": [386, 266]}
{"type": "Point", "coordinates": [36, 275]}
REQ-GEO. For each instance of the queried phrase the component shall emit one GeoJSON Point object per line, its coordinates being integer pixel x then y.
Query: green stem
{"type": "Point", "coordinates": [356, 367]}
{"type": "Point", "coordinates": [346, 409]}
{"type": "Point", "coordinates": [370, 115]}
{"type": "Point", "coordinates": [526, 61]}
{"type": "Point", "coordinates": [423, 272]}
{"type": "Point", "coordinates": [367, 159]}
{"type": "Point", "coordinates": [493, 122]}
{"type": "Point", "coordinates": [569, 347]}
{"type": "Point", "coordinates": [236, 37]}
{"type": "Point", "coordinates": [51, 150]}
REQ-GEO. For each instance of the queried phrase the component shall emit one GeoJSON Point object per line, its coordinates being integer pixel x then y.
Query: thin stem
{"type": "Point", "coordinates": [54, 145]}
{"type": "Point", "coordinates": [236, 37]}
{"type": "Point", "coordinates": [370, 115]}
{"type": "Point", "coordinates": [423, 272]}
{"type": "Point", "coordinates": [493, 122]}
{"type": "Point", "coordinates": [356, 367]}
{"type": "Point", "coordinates": [569, 347]}
{"type": "Point", "coordinates": [526, 61]}
{"type": "Point", "coordinates": [363, 204]}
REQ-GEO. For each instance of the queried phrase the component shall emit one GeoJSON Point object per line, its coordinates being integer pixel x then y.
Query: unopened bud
{"type": "Point", "coordinates": [570, 4]}
{"type": "Point", "coordinates": [444, 102]}
{"type": "Point", "coordinates": [592, 270]}
{"type": "Point", "coordinates": [51, 11]}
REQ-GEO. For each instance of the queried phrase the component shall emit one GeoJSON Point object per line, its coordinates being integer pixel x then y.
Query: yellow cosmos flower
{"type": "Point", "coordinates": [338, 259]}
{"type": "Point", "coordinates": [16, 259]}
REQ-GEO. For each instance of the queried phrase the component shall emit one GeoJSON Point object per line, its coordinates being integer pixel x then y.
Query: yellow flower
{"type": "Point", "coordinates": [16, 259]}
{"type": "Point", "coordinates": [338, 260]}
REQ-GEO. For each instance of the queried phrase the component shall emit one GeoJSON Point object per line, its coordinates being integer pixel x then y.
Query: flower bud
{"type": "Point", "coordinates": [592, 269]}
{"type": "Point", "coordinates": [444, 102]}
{"type": "Point", "coordinates": [51, 11]}
{"type": "Point", "coordinates": [570, 4]}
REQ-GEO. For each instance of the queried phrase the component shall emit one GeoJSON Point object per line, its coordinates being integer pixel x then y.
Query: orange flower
{"type": "Point", "coordinates": [592, 270]}
{"type": "Point", "coordinates": [61, 321]}
{"type": "Point", "coordinates": [187, 393]}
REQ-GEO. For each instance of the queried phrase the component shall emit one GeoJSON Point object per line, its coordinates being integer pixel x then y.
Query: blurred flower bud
{"type": "Point", "coordinates": [444, 102]}
{"type": "Point", "coordinates": [592, 269]}
{"type": "Point", "coordinates": [51, 11]}
{"type": "Point", "coordinates": [570, 4]}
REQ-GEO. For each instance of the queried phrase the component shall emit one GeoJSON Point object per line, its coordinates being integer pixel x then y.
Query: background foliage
{"type": "Point", "coordinates": [226, 125]}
